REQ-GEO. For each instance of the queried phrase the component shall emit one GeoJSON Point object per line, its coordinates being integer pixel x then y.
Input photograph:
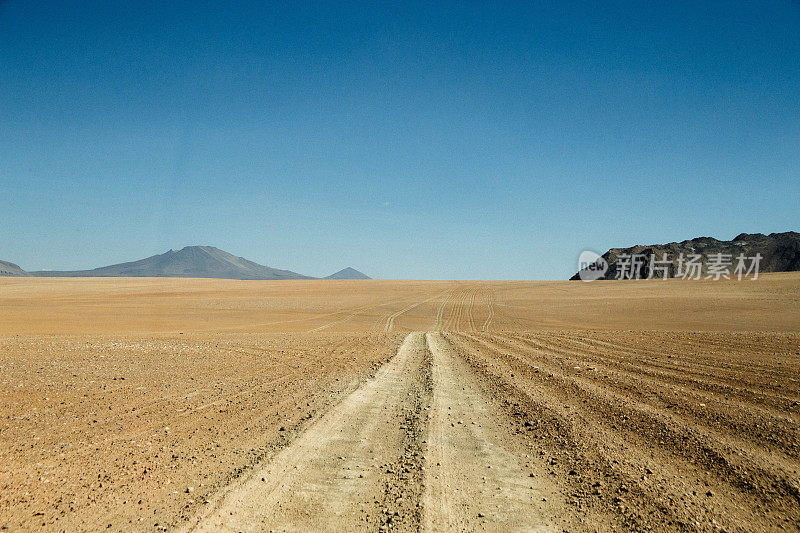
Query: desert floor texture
{"type": "Point", "coordinates": [214, 405]}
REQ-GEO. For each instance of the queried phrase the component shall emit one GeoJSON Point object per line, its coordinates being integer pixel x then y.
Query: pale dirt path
{"type": "Point", "coordinates": [333, 477]}
{"type": "Point", "coordinates": [453, 468]}
{"type": "Point", "coordinates": [474, 476]}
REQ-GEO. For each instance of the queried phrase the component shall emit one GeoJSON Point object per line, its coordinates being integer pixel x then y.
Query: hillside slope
{"type": "Point", "coordinates": [189, 262]}
{"type": "Point", "coordinates": [10, 269]}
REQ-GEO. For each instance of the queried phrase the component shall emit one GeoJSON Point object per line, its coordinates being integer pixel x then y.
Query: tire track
{"type": "Point", "coordinates": [663, 368]}
{"type": "Point", "coordinates": [332, 475]}
{"type": "Point", "coordinates": [475, 478]}
{"type": "Point", "coordinates": [471, 310]}
{"type": "Point", "coordinates": [394, 316]}
{"type": "Point", "coordinates": [437, 326]}
{"type": "Point", "coordinates": [351, 316]}
{"type": "Point", "coordinates": [774, 456]}
{"type": "Point", "coordinates": [490, 304]}
{"type": "Point", "coordinates": [627, 437]}
{"type": "Point", "coordinates": [458, 313]}
{"type": "Point", "coordinates": [376, 461]}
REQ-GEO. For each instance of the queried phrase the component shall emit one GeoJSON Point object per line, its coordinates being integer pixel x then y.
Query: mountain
{"type": "Point", "coordinates": [780, 252]}
{"type": "Point", "coordinates": [348, 273]}
{"type": "Point", "coordinates": [10, 269]}
{"type": "Point", "coordinates": [189, 262]}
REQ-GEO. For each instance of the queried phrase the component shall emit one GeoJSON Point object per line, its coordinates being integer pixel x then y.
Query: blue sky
{"type": "Point", "coordinates": [434, 140]}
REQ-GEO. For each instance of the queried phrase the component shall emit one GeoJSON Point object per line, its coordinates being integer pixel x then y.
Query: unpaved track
{"type": "Point", "coordinates": [331, 477]}
{"type": "Point", "coordinates": [377, 460]}
{"type": "Point", "coordinates": [474, 477]}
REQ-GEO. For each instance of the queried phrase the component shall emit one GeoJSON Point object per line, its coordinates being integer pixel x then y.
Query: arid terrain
{"type": "Point", "coordinates": [223, 405]}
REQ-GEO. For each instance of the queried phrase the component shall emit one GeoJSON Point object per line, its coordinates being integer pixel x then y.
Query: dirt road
{"type": "Point", "coordinates": [419, 446]}
{"type": "Point", "coordinates": [338, 473]}
{"type": "Point", "coordinates": [476, 477]}
{"type": "Point", "coordinates": [442, 440]}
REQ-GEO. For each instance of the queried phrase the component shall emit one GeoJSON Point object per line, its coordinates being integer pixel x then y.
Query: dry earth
{"type": "Point", "coordinates": [208, 405]}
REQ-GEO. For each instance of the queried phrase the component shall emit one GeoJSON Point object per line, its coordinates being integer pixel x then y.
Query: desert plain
{"type": "Point", "coordinates": [151, 404]}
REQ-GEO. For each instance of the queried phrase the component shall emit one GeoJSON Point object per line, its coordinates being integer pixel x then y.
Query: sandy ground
{"type": "Point", "coordinates": [158, 404]}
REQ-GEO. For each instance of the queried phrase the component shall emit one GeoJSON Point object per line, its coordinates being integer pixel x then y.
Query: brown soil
{"type": "Point", "coordinates": [151, 404]}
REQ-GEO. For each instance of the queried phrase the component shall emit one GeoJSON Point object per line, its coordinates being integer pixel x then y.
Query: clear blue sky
{"type": "Point", "coordinates": [459, 140]}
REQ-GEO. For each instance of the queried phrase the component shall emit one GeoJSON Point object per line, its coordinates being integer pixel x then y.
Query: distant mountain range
{"type": "Point", "coordinates": [780, 252]}
{"type": "Point", "coordinates": [189, 262]}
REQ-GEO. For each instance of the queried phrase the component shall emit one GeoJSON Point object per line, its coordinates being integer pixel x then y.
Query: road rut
{"type": "Point", "coordinates": [419, 447]}
{"type": "Point", "coordinates": [474, 477]}
{"type": "Point", "coordinates": [334, 475]}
